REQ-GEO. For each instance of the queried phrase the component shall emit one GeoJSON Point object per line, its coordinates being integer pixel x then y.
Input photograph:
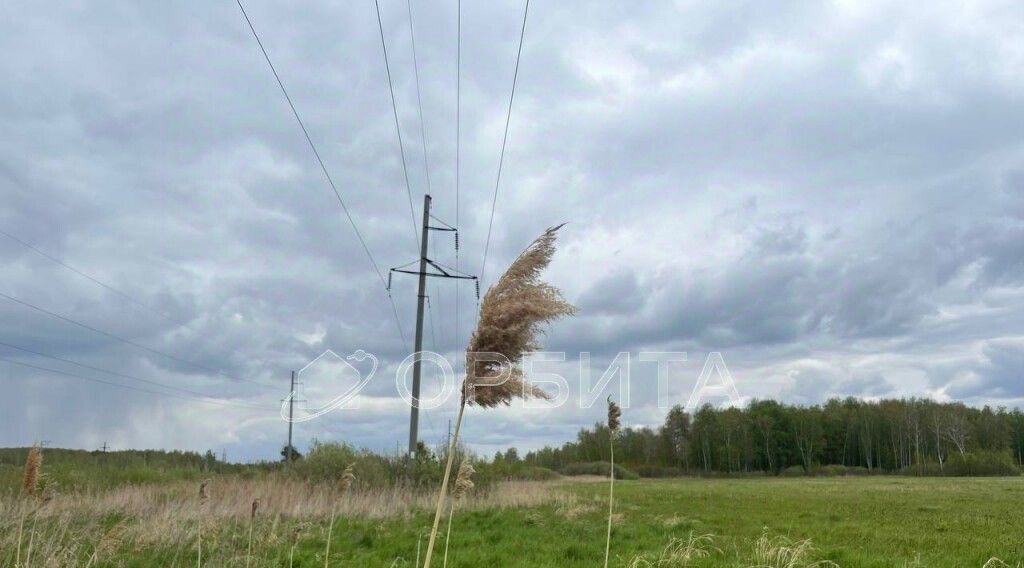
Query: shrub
{"type": "Point", "coordinates": [598, 468]}
{"type": "Point", "coordinates": [795, 471]}
{"type": "Point", "coordinates": [838, 470]}
{"type": "Point", "coordinates": [656, 471]}
{"type": "Point", "coordinates": [979, 463]}
{"type": "Point", "coordinates": [535, 473]}
{"type": "Point", "coordinates": [982, 463]}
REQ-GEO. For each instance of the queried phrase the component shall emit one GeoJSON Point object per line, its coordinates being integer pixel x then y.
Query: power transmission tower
{"type": "Point", "coordinates": [438, 271]}
{"type": "Point", "coordinates": [104, 448]}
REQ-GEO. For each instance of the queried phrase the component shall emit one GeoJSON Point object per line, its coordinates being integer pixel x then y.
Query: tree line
{"type": "Point", "coordinates": [901, 435]}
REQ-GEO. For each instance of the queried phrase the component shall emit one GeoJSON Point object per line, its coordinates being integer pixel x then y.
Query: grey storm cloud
{"type": "Point", "coordinates": [829, 193]}
{"type": "Point", "coordinates": [997, 376]}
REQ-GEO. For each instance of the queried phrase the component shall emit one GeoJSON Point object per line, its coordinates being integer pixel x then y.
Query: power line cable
{"type": "Point", "coordinates": [104, 285]}
{"type": "Point", "coordinates": [419, 100]}
{"type": "Point", "coordinates": [113, 384]}
{"type": "Point", "coordinates": [327, 175]}
{"type": "Point", "coordinates": [398, 128]}
{"type": "Point", "coordinates": [423, 139]}
{"type": "Point", "coordinates": [312, 146]}
{"type": "Point", "coordinates": [458, 148]}
{"type": "Point", "coordinates": [504, 139]}
{"type": "Point", "coordinates": [81, 273]}
{"type": "Point", "coordinates": [124, 340]}
{"type": "Point", "coordinates": [122, 375]}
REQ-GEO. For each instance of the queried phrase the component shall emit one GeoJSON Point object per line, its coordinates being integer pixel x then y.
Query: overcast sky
{"type": "Point", "coordinates": [831, 194]}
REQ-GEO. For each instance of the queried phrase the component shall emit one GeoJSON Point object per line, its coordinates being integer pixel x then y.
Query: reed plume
{"type": "Point", "coordinates": [33, 472]}
{"type": "Point", "coordinates": [29, 488]}
{"type": "Point", "coordinates": [463, 485]}
{"type": "Point", "coordinates": [512, 315]}
{"type": "Point", "coordinates": [347, 479]}
{"type": "Point", "coordinates": [614, 415]}
{"type": "Point", "coordinates": [614, 422]}
{"type": "Point", "coordinates": [463, 481]}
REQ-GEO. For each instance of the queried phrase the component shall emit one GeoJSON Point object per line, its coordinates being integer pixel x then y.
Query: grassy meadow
{"type": "Point", "coordinates": [852, 521]}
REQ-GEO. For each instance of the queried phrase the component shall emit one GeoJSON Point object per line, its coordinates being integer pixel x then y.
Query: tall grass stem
{"type": "Point", "coordinates": [444, 484]}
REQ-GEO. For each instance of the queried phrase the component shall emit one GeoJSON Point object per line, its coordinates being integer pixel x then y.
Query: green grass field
{"type": "Point", "coordinates": [865, 522]}
{"type": "Point", "coordinates": [861, 521]}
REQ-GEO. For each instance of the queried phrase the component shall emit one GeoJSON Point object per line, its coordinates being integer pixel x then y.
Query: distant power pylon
{"type": "Point", "coordinates": [289, 454]}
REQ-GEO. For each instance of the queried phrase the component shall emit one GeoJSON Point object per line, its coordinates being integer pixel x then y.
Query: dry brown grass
{"type": "Point", "coordinates": [111, 540]}
{"type": "Point", "coordinates": [678, 553]}
{"type": "Point", "coordinates": [781, 552]}
{"type": "Point", "coordinates": [570, 508]}
{"type": "Point", "coordinates": [167, 514]}
{"type": "Point", "coordinates": [998, 563]}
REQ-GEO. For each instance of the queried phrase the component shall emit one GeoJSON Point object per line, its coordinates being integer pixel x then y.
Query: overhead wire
{"type": "Point", "coordinates": [419, 99]}
{"type": "Point", "coordinates": [423, 140]}
{"type": "Point", "coordinates": [119, 385]}
{"type": "Point", "coordinates": [398, 128]}
{"type": "Point", "coordinates": [117, 374]}
{"type": "Point", "coordinates": [125, 340]}
{"type": "Point", "coordinates": [89, 277]}
{"type": "Point", "coordinates": [97, 281]}
{"type": "Point", "coordinates": [327, 175]}
{"type": "Point", "coordinates": [504, 140]}
{"type": "Point", "coordinates": [458, 148]}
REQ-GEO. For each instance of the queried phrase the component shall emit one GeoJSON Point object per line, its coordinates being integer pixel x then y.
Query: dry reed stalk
{"type": "Point", "coordinates": [30, 488]}
{"type": "Point", "coordinates": [463, 485]}
{"type": "Point", "coordinates": [21, 533]}
{"type": "Point", "coordinates": [347, 479]}
{"type": "Point", "coordinates": [204, 497]}
{"type": "Point", "coordinates": [31, 539]}
{"type": "Point", "coordinates": [295, 541]}
{"type": "Point", "coordinates": [327, 546]}
{"type": "Point", "coordinates": [614, 422]}
{"type": "Point", "coordinates": [512, 314]}
{"type": "Point", "coordinates": [252, 525]}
